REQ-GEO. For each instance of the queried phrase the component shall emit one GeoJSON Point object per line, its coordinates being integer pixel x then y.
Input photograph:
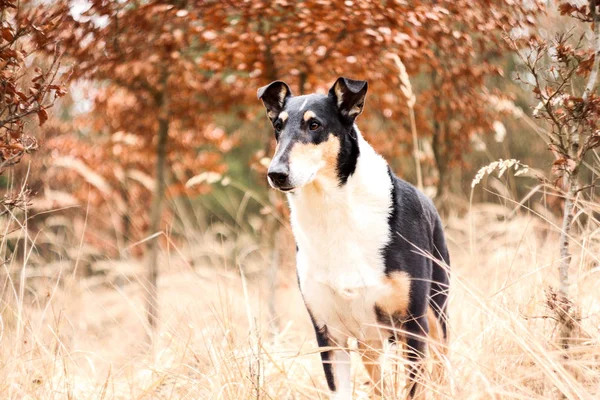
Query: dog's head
{"type": "Point", "coordinates": [315, 134]}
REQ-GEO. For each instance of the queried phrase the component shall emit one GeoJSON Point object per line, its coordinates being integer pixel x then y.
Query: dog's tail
{"type": "Point", "coordinates": [438, 296]}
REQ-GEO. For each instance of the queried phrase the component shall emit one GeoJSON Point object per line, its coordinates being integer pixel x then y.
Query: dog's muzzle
{"type": "Point", "coordinates": [279, 177]}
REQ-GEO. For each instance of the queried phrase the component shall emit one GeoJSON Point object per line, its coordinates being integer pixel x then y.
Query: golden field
{"type": "Point", "coordinates": [67, 337]}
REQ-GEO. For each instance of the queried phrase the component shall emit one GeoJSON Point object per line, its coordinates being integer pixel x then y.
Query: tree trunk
{"type": "Point", "coordinates": [440, 151]}
{"type": "Point", "coordinates": [157, 207]}
{"type": "Point", "coordinates": [568, 315]}
{"type": "Point", "coordinates": [125, 220]}
{"type": "Point", "coordinates": [274, 243]}
{"type": "Point", "coordinates": [564, 310]}
{"type": "Point", "coordinates": [565, 254]}
{"type": "Point", "coordinates": [272, 225]}
{"type": "Point", "coordinates": [416, 152]}
{"type": "Point", "coordinates": [438, 145]}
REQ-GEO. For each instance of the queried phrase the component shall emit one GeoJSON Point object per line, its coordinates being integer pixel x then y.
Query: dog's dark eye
{"type": "Point", "coordinates": [278, 126]}
{"type": "Point", "coordinates": [314, 126]}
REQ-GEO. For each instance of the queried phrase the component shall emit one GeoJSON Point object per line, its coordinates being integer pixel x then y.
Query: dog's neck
{"type": "Point", "coordinates": [341, 228]}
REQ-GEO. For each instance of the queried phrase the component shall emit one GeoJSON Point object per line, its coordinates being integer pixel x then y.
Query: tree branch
{"type": "Point", "coordinates": [591, 85]}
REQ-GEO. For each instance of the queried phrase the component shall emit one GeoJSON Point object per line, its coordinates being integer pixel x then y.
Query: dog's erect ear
{"type": "Point", "coordinates": [273, 97]}
{"type": "Point", "coordinates": [349, 95]}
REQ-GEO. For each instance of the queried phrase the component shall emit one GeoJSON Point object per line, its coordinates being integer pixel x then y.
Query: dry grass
{"type": "Point", "coordinates": [86, 339]}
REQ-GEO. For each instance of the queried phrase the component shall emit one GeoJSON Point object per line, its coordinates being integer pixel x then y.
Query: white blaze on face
{"type": "Point", "coordinates": [303, 104]}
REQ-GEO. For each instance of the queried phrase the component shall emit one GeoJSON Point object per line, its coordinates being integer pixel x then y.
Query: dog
{"type": "Point", "coordinates": [372, 261]}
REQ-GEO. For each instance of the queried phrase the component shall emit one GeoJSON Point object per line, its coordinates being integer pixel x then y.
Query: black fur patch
{"type": "Point", "coordinates": [323, 341]}
{"type": "Point", "coordinates": [348, 156]}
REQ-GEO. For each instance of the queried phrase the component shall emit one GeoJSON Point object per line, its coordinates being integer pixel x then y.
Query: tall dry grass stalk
{"type": "Point", "coordinates": [411, 100]}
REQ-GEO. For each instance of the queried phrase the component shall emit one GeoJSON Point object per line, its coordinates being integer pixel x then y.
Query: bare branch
{"type": "Point", "coordinates": [591, 85]}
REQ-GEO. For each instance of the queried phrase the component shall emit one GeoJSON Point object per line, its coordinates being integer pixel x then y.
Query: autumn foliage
{"type": "Point", "coordinates": [27, 91]}
{"type": "Point", "coordinates": [145, 79]}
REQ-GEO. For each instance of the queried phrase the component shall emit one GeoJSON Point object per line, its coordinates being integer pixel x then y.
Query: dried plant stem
{"type": "Point", "coordinates": [406, 88]}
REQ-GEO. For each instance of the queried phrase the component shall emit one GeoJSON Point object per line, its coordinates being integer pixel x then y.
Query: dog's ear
{"type": "Point", "coordinates": [274, 96]}
{"type": "Point", "coordinates": [349, 96]}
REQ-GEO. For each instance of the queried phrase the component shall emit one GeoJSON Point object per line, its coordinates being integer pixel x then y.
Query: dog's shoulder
{"type": "Point", "coordinates": [411, 207]}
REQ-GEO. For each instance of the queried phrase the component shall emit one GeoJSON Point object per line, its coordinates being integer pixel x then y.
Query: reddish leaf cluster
{"type": "Point", "coordinates": [25, 91]}
{"type": "Point", "coordinates": [579, 11]}
{"type": "Point", "coordinates": [140, 63]}
{"type": "Point", "coordinates": [563, 77]}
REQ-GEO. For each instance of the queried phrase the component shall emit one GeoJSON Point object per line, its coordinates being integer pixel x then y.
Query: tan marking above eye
{"type": "Point", "coordinates": [283, 116]}
{"type": "Point", "coordinates": [309, 114]}
{"type": "Point", "coordinates": [398, 297]}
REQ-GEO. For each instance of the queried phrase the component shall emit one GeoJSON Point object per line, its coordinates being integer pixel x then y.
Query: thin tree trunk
{"type": "Point", "coordinates": [416, 152]}
{"type": "Point", "coordinates": [564, 314]}
{"type": "Point", "coordinates": [565, 253]}
{"type": "Point", "coordinates": [568, 316]}
{"type": "Point", "coordinates": [438, 145]}
{"type": "Point", "coordinates": [274, 243]}
{"type": "Point", "coordinates": [272, 226]}
{"type": "Point", "coordinates": [157, 206]}
{"type": "Point", "coordinates": [440, 152]}
{"type": "Point", "coordinates": [125, 219]}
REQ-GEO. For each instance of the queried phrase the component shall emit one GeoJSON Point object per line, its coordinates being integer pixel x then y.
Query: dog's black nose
{"type": "Point", "coordinates": [278, 176]}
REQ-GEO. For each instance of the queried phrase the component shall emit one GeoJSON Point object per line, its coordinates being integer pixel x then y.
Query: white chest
{"type": "Point", "coordinates": [340, 234]}
{"type": "Point", "coordinates": [344, 306]}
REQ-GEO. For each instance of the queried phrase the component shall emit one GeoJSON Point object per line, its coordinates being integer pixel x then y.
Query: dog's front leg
{"type": "Point", "coordinates": [416, 330]}
{"type": "Point", "coordinates": [370, 352]}
{"type": "Point", "coordinates": [336, 365]}
{"type": "Point", "coordinates": [339, 366]}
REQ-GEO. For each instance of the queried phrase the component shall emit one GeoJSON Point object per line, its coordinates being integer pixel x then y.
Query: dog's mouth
{"type": "Point", "coordinates": [286, 189]}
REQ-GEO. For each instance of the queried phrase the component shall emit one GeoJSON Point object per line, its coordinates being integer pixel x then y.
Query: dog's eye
{"type": "Point", "coordinates": [314, 126]}
{"type": "Point", "coordinates": [278, 126]}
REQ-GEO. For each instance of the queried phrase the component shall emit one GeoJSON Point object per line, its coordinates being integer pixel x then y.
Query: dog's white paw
{"type": "Point", "coordinates": [341, 396]}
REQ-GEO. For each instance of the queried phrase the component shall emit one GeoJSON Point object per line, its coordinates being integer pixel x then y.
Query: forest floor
{"type": "Point", "coordinates": [74, 338]}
